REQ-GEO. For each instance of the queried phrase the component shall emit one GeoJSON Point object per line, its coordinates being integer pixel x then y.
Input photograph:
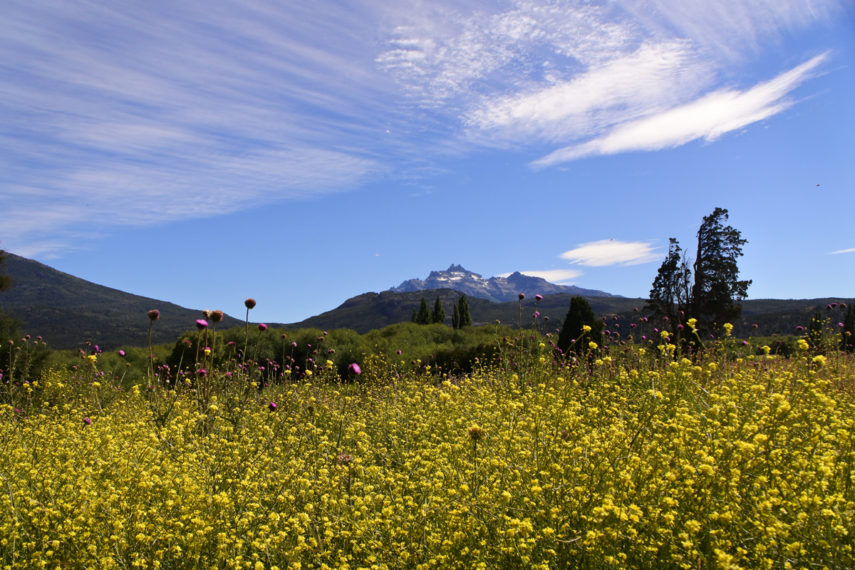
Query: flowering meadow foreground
{"type": "Point", "coordinates": [628, 458]}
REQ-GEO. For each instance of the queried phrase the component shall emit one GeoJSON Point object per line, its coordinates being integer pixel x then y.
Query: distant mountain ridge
{"type": "Point", "coordinates": [496, 289]}
{"type": "Point", "coordinates": [68, 311]}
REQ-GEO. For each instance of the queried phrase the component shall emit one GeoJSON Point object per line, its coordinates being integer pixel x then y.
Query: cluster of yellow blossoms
{"type": "Point", "coordinates": [637, 462]}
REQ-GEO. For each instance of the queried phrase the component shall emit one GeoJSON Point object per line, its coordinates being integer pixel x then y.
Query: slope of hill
{"type": "Point", "coordinates": [68, 311]}
{"type": "Point", "coordinates": [376, 310]}
{"type": "Point", "coordinates": [498, 289]}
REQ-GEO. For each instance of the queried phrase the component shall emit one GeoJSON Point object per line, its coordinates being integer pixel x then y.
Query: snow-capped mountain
{"type": "Point", "coordinates": [497, 289]}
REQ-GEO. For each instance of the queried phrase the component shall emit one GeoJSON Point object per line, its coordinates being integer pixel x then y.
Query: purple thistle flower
{"type": "Point", "coordinates": [800, 328]}
{"type": "Point", "coordinates": [201, 324]}
{"type": "Point", "coordinates": [354, 369]}
{"type": "Point", "coordinates": [262, 327]}
{"type": "Point", "coordinates": [538, 297]}
{"type": "Point", "coordinates": [272, 406]}
{"type": "Point", "coordinates": [87, 421]}
{"type": "Point", "coordinates": [122, 353]}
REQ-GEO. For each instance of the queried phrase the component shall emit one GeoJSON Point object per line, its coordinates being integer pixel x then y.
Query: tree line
{"type": "Point", "coordinates": [460, 316]}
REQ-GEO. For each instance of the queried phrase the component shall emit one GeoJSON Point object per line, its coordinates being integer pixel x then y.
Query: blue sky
{"type": "Point", "coordinates": [304, 153]}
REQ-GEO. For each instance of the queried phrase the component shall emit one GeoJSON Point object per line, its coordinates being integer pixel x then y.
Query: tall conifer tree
{"type": "Point", "coordinates": [717, 290]}
{"type": "Point", "coordinates": [465, 319]}
{"type": "Point", "coordinates": [579, 315]}
{"type": "Point", "coordinates": [423, 316]}
{"type": "Point", "coordinates": [438, 314]}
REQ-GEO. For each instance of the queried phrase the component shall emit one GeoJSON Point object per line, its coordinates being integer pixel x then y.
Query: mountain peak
{"type": "Point", "coordinates": [497, 289]}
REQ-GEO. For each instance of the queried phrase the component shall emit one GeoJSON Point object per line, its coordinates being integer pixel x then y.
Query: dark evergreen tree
{"type": "Point", "coordinates": [455, 317]}
{"type": "Point", "coordinates": [579, 315]}
{"type": "Point", "coordinates": [465, 319]}
{"type": "Point", "coordinates": [438, 314]}
{"type": "Point", "coordinates": [717, 291]}
{"type": "Point", "coordinates": [423, 316]}
{"type": "Point", "coordinates": [670, 293]}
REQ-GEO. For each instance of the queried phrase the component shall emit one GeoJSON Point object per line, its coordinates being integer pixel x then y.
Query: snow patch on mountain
{"type": "Point", "coordinates": [497, 289]}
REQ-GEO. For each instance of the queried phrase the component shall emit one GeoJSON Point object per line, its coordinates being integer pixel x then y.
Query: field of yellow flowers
{"type": "Point", "coordinates": [632, 460]}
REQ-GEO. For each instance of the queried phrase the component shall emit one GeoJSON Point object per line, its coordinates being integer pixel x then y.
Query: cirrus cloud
{"type": "Point", "coordinates": [610, 252]}
{"type": "Point", "coordinates": [708, 118]}
{"type": "Point", "coordinates": [561, 276]}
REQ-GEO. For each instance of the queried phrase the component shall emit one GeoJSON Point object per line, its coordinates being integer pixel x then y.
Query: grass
{"type": "Point", "coordinates": [627, 456]}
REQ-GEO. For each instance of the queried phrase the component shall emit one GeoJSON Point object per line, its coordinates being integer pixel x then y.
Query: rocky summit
{"type": "Point", "coordinates": [498, 289]}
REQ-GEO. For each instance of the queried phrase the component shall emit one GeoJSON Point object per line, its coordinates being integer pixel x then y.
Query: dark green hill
{"type": "Point", "coordinates": [68, 311]}
{"type": "Point", "coordinates": [371, 311]}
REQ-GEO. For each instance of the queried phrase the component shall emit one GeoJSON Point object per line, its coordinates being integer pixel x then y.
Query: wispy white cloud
{"type": "Point", "coordinates": [655, 76]}
{"type": "Point", "coordinates": [199, 109]}
{"type": "Point", "coordinates": [564, 276]}
{"type": "Point", "coordinates": [610, 252]}
{"type": "Point", "coordinates": [707, 118]}
{"type": "Point", "coordinates": [156, 112]}
{"type": "Point", "coordinates": [732, 30]}
{"type": "Point", "coordinates": [839, 251]}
